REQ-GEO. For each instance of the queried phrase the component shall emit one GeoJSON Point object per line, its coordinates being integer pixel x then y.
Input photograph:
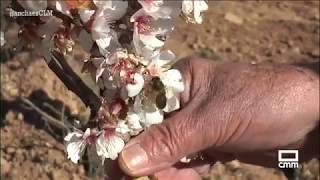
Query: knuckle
{"type": "Point", "coordinates": [164, 142]}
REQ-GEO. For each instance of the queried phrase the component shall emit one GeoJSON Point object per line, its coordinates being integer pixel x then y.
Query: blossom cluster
{"type": "Point", "coordinates": [128, 63]}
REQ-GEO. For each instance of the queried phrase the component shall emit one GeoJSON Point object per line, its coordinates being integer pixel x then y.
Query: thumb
{"type": "Point", "coordinates": [162, 145]}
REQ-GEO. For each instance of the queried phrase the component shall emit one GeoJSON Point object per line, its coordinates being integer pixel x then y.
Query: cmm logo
{"type": "Point", "coordinates": [288, 159]}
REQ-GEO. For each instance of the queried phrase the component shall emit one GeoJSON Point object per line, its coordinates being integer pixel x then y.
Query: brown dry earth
{"type": "Point", "coordinates": [250, 31]}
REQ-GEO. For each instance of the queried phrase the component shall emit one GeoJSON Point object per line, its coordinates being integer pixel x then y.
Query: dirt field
{"type": "Point", "coordinates": [252, 31]}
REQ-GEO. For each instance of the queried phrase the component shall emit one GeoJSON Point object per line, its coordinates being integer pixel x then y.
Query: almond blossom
{"type": "Point", "coordinates": [98, 20]}
{"type": "Point", "coordinates": [109, 145]}
{"type": "Point", "coordinates": [148, 31]}
{"type": "Point", "coordinates": [171, 78]}
{"type": "Point", "coordinates": [133, 74]}
{"type": "Point", "coordinates": [107, 12]}
{"type": "Point", "coordinates": [101, 64]}
{"type": "Point", "coordinates": [111, 141]}
{"type": "Point", "coordinates": [77, 141]}
{"type": "Point", "coordinates": [116, 70]}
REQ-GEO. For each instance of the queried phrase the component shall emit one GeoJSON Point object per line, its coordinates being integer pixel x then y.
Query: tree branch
{"type": "Point", "coordinates": [63, 70]}
{"type": "Point", "coordinates": [73, 82]}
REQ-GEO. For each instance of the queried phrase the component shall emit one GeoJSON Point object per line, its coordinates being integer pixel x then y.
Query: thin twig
{"type": "Point", "coordinates": [48, 126]}
{"type": "Point", "coordinates": [53, 109]}
{"type": "Point", "coordinates": [61, 114]}
{"type": "Point", "coordinates": [52, 121]}
{"type": "Point", "coordinates": [63, 109]}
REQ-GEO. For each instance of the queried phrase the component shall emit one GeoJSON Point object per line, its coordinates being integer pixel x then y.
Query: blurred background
{"type": "Point", "coordinates": [248, 31]}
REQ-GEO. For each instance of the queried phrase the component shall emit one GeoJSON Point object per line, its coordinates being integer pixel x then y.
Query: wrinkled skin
{"type": "Point", "coordinates": [230, 111]}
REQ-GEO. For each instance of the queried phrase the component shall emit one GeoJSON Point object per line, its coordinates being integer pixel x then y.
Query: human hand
{"type": "Point", "coordinates": [230, 111]}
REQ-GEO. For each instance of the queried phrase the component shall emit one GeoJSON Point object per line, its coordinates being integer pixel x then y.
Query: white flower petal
{"type": "Point", "coordinates": [62, 7]}
{"type": "Point", "coordinates": [151, 40]}
{"type": "Point", "coordinates": [148, 112]}
{"type": "Point", "coordinates": [111, 10]}
{"type": "Point", "coordinates": [148, 37]}
{"type": "Point", "coordinates": [134, 125]}
{"type": "Point", "coordinates": [187, 6]}
{"type": "Point", "coordinates": [133, 120]}
{"type": "Point", "coordinates": [86, 133]}
{"type": "Point", "coordinates": [122, 128]}
{"type": "Point", "coordinates": [103, 43]}
{"type": "Point", "coordinates": [75, 145]}
{"type": "Point", "coordinates": [147, 54]}
{"type": "Point", "coordinates": [100, 146]}
{"type": "Point", "coordinates": [105, 37]}
{"type": "Point", "coordinates": [71, 135]}
{"type": "Point", "coordinates": [74, 150]}
{"type": "Point", "coordinates": [134, 89]}
{"type": "Point", "coordinates": [172, 79]}
{"type": "Point", "coordinates": [164, 59]}
{"type": "Point", "coordinates": [85, 14]}
{"type": "Point", "coordinates": [101, 29]}
{"type": "Point", "coordinates": [170, 9]}
{"type": "Point", "coordinates": [109, 147]}
{"type": "Point", "coordinates": [172, 102]}
{"type": "Point", "coordinates": [193, 10]}
{"type": "Point", "coordinates": [199, 7]}
{"type": "Point", "coordinates": [115, 146]}
{"type": "Point", "coordinates": [153, 116]}
{"type": "Point", "coordinates": [146, 45]}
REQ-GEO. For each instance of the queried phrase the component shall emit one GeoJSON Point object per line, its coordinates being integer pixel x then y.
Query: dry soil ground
{"type": "Point", "coordinates": [250, 31]}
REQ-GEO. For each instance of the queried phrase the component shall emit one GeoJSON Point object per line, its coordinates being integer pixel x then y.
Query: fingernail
{"type": "Point", "coordinates": [134, 158]}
